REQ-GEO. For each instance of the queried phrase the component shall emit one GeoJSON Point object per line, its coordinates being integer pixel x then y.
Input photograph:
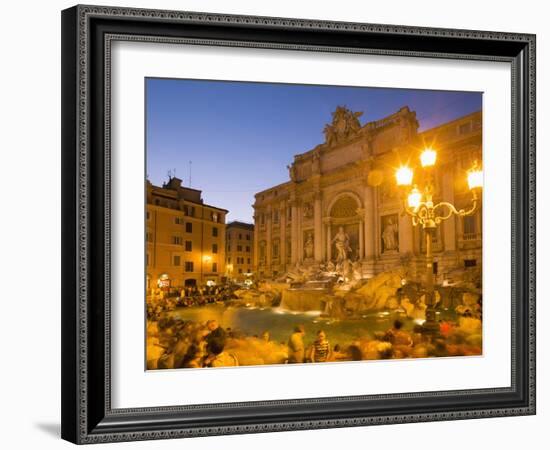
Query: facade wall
{"type": "Point", "coordinates": [239, 250]}
{"type": "Point", "coordinates": [185, 238]}
{"type": "Point", "coordinates": [350, 185]}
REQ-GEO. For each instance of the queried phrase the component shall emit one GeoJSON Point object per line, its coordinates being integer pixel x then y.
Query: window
{"type": "Point", "coordinates": [147, 259]}
{"type": "Point", "coordinates": [435, 238]}
{"type": "Point", "coordinates": [178, 220]}
{"type": "Point", "coordinates": [247, 236]}
{"type": "Point", "coordinates": [215, 231]}
{"type": "Point", "coordinates": [214, 216]}
{"type": "Point", "coordinates": [240, 236]}
{"type": "Point", "coordinates": [147, 215]}
{"type": "Point", "coordinates": [248, 261]}
{"type": "Point", "coordinates": [248, 248]}
{"type": "Point", "coordinates": [149, 236]}
{"type": "Point", "coordinates": [435, 267]}
{"type": "Point", "coordinates": [189, 210]}
{"type": "Point", "coordinates": [229, 260]}
{"type": "Point", "coordinates": [239, 248]}
{"type": "Point", "coordinates": [189, 266]}
{"type": "Point", "coordinates": [276, 216]}
{"type": "Point", "coordinates": [240, 270]}
{"type": "Point", "coordinates": [188, 246]}
{"type": "Point", "coordinates": [177, 240]}
{"type": "Point", "coordinates": [214, 248]}
{"type": "Point", "coordinates": [275, 249]}
{"type": "Point", "coordinates": [177, 260]}
{"type": "Point", "coordinates": [228, 247]}
{"type": "Point", "coordinates": [289, 214]}
{"type": "Point", "coordinates": [470, 228]}
{"type": "Point", "coordinates": [470, 262]}
{"type": "Point", "coordinates": [214, 267]}
{"type": "Point", "coordinates": [188, 227]}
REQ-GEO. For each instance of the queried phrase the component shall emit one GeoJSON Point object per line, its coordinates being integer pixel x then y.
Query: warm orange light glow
{"type": "Point", "coordinates": [414, 199]}
{"type": "Point", "coordinates": [475, 179]}
{"type": "Point", "coordinates": [428, 157]}
{"type": "Point", "coordinates": [207, 258]}
{"type": "Point", "coordinates": [404, 176]}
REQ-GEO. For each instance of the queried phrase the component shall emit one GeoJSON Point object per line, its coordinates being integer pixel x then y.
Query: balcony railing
{"type": "Point", "coordinates": [469, 240]}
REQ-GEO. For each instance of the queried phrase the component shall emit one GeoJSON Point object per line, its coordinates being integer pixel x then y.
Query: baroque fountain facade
{"type": "Point", "coordinates": [333, 238]}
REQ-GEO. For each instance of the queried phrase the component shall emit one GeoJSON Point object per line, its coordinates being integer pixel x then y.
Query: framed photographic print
{"type": "Point", "coordinates": [282, 224]}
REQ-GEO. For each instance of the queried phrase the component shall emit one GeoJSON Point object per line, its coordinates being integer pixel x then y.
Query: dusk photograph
{"type": "Point", "coordinates": [298, 224]}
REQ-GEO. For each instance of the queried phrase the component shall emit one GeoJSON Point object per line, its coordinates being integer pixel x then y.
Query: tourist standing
{"type": "Point", "coordinates": [321, 351]}
{"type": "Point", "coordinates": [296, 349]}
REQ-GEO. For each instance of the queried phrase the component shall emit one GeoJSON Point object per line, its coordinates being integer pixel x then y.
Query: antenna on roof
{"type": "Point", "coordinates": [169, 175]}
{"type": "Point", "coordinates": [190, 163]}
{"type": "Point", "coordinates": [174, 173]}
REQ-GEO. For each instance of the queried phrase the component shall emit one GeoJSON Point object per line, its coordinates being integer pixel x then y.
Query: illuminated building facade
{"type": "Point", "coordinates": [185, 238]}
{"type": "Point", "coordinates": [345, 187]}
{"type": "Point", "coordinates": [239, 250]}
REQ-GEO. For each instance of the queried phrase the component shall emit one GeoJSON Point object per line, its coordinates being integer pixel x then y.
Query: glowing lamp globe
{"type": "Point", "coordinates": [404, 176]}
{"type": "Point", "coordinates": [414, 199]}
{"type": "Point", "coordinates": [475, 179]}
{"type": "Point", "coordinates": [428, 157]}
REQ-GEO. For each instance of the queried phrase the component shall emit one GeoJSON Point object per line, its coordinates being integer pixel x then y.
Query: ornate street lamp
{"type": "Point", "coordinates": [419, 205]}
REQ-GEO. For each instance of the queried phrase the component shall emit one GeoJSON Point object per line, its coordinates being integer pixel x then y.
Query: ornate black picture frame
{"type": "Point", "coordinates": [87, 33]}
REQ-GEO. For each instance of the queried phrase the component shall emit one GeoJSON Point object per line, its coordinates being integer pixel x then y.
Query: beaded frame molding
{"type": "Point", "coordinates": [87, 35]}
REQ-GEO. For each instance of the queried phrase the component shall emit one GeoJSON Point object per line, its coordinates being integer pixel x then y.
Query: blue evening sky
{"type": "Point", "coordinates": [241, 136]}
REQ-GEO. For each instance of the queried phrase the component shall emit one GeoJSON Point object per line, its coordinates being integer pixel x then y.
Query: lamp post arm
{"type": "Point", "coordinates": [451, 209]}
{"type": "Point", "coordinates": [409, 211]}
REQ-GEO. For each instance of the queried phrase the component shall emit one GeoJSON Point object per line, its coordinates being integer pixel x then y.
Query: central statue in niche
{"type": "Point", "coordinates": [341, 242]}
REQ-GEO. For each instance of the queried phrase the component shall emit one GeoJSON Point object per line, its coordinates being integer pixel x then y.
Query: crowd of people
{"type": "Point", "coordinates": [174, 343]}
{"type": "Point", "coordinates": [161, 301]}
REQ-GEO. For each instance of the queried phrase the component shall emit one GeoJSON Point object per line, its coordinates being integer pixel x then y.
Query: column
{"type": "Point", "coordinates": [329, 241]}
{"type": "Point", "coordinates": [268, 243]}
{"type": "Point", "coordinates": [282, 234]}
{"type": "Point", "coordinates": [318, 224]}
{"type": "Point", "coordinates": [361, 240]}
{"type": "Point", "coordinates": [294, 232]}
{"type": "Point", "coordinates": [300, 234]}
{"type": "Point", "coordinates": [449, 225]}
{"type": "Point", "coordinates": [256, 242]}
{"type": "Point", "coordinates": [369, 213]}
{"type": "Point", "coordinates": [406, 235]}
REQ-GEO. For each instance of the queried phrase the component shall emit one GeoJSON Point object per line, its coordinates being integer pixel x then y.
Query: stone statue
{"type": "Point", "coordinates": [357, 270]}
{"type": "Point", "coordinates": [389, 235]}
{"type": "Point", "coordinates": [341, 241]}
{"type": "Point", "coordinates": [345, 125]}
{"type": "Point", "coordinates": [316, 163]}
{"type": "Point", "coordinates": [291, 172]}
{"type": "Point", "coordinates": [308, 246]}
{"type": "Point", "coordinates": [330, 135]}
{"type": "Point", "coordinates": [308, 211]}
